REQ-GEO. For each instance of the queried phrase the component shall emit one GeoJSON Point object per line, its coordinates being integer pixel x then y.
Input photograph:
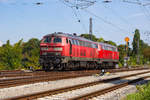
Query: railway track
{"type": "Point", "coordinates": [87, 96]}
{"type": "Point", "coordinates": [19, 73]}
{"type": "Point", "coordinates": [50, 76]}
{"type": "Point", "coordinates": [106, 90]}
{"type": "Point", "coordinates": [41, 78]}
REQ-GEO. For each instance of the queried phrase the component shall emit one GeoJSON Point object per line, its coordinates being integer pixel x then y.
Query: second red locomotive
{"type": "Point", "coordinates": [64, 51]}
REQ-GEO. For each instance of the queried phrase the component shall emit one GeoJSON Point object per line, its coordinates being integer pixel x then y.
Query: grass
{"type": "Point", "coordinates": [142, 94]}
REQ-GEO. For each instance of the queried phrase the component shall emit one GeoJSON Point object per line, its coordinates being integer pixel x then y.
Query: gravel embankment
{"type": "Point", "coordinates": [121, 93]}
{"type": "Point", "coordinates": [44, 86]}
{"type": "Point", "coordinates": [83, 91]}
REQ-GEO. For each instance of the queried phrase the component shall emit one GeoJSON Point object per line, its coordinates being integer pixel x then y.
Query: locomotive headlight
{"type": "Point", "coordinates": [58, 49]}
{"type": "Point", "coordinates": [44, 48]}
{"type": "Point", "coordinates": [44, 53]}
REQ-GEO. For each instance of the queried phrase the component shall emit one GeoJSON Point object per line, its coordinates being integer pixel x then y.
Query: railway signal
{"type": "Point", "coordinates": [127, 39]}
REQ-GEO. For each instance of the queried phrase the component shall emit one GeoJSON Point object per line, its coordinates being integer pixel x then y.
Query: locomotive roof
{"type": "Point", "coordinates": [69, 35]}
{"type": "Point", "coordinates": [101, 43]}
{"type": "Point", "coordinates": [76, 37]}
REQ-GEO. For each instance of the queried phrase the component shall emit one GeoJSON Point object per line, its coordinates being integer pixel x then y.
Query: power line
{"type": "Point", "coordinates": [145, 11]}
{"type": "Point", "coordinates": [105, 21]}
{"type": "Point", "coordinates": [116, 14]}
{"type": "Point", "coordinates": [79, 19]}
{"type": "Point", "coordinates": [142, 6]}
{"type": "Point", "coordinates": [76, 14]}
{"type": "Point", "coordinates": [80, 4]}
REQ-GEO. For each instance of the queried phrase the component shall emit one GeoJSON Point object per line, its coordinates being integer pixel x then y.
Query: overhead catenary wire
{"type": "Point", "coordinates": [144, 10]}
{"type": "Point", "coordinates": [79, 19]}
{"type": "Point", "coordinates": [105, 21]}
{"type": "Point", "coordinates": [116, 14]}
{"type": "Point", "coordinates": [82, 4]}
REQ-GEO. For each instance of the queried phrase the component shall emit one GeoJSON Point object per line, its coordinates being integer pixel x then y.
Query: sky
{"type": "Point", "coordinates": [23, 19]}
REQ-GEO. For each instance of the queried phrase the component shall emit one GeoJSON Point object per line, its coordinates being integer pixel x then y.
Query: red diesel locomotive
{"type": "Point", "coordinates": [64, 51]}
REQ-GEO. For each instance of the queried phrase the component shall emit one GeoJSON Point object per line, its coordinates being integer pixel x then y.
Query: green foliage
{"type": "Point", "coordinates": [111, 43]}
{"type": "Point", "coordinates": [94, 38]}
{"type": "Point", "coordinates": [146, 52]}
{"type": "Point", "coordinates": [122, 53]}
{"type": "Point", "coordinates": [87, 36]}
{"type": "Point", "coordinates": [136, 38]}
{"type": "Point", "coordinates": [20, 55]}
{"type": "Point", "coordinates": [31, 51]}
{"type": "Point", "coordinates": [142, 94]}
{"type": "Point", "coordinates": [11, 56]}
{"type": "Point", "coordinates": [101, 40]}
{"type": "Point", "coordinates": [132, 61]}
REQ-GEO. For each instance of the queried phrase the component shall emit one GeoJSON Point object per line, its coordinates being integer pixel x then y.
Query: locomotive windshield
{"type": "Point", "coordinates": [47, 40]}
{"type": "Point", "coordinates": [57, 40]}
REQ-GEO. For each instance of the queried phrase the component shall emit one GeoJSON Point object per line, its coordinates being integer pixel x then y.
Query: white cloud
{"type": "Point", "coordinates": [1, 43]}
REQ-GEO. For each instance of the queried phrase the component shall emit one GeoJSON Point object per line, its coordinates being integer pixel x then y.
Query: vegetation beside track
{"type": "Point", "coordinates": [142, 94]}
{"type": "Point", "coordinates": [23, 55]}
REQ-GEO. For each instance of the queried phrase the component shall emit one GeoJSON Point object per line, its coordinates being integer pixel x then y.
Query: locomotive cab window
{"type": "Point", "coordinates": [47, 40]}
{"type": "Point", "coordinates": [57, 40]}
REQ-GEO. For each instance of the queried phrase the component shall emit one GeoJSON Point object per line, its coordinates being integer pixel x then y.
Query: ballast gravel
{"type": "Point", "coordinates": [50, 85]}
{"type": "Point", "coordinates": [121, 93]}
{"type": "Point", "coordinates": [83, 91]}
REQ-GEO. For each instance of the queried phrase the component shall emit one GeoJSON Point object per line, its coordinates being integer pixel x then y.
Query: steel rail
{"type": "Point", "coordinates": [66, 89]}
{"type": "Point", "coordinates": [106, 90]}
{"type": "Point", "coordinates": [49, 77]}
{"type": "Point", "coordinates": [19, 73]}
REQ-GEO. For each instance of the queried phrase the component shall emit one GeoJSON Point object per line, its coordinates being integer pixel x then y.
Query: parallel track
{"type": "Point", "coordinates": [19, 73]}
{"type": "Point", "coordinates": [84, 97]}
{"type": "Point", "coordinates": [109, 89]}
{"type": "Point", "coordinates": [50, 76]}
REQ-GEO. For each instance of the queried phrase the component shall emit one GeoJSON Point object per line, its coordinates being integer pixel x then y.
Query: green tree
{"type": "Point", "coordinates": [11, 56]}
{"type": "Point", "coordinates": [101, 40]}
{"type": "Point", "coordinates": [146, 53]}
{"type": "Point", "coordinates": [136, 39]}
{"type": "Point", "coordinates": [87, 36]}
{"type": "Point", "coordinates": [111, 43]}
{"type": "Point", "coordinates": [122, 53]}
{"type": "Point", "coordinates": [31, 51]}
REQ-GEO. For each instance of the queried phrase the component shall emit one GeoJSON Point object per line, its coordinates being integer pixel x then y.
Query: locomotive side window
{"type": "Point", "coordinates": [84, 43]}
{"type": "Point", "coordinates": [47, 40]}
{"type": "Point", "coordinates": [90, 45]}
{"type": "Point", "coordinates": [81, 43]}
{"type": "Point", "coordinates": [87, 44]}
{"type": "Point", "coordinates": [57, 40]}
{"type": "Point", "coordinates": [73, 41]}
{"type": "Point", "coordinates": [77, 43]}
{"type": "Point", "coordinates": [96, 46]}
{"type": "Point", "coordinates": [113, 49]}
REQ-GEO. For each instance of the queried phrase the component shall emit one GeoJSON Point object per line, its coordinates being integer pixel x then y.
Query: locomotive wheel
{"type": "Point", "coordinates": [43, 67]}
{"type": "Point", "coordinates": [61, 67]}
{"type": "Point", "coordinates": [47, 69]}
